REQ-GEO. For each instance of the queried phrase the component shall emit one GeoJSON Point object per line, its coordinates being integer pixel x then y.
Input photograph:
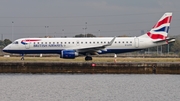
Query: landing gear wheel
{"type": "Point", "coordinates": [88, 58]}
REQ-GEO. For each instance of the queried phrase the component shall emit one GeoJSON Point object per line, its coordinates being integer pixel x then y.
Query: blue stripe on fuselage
{"type": "Point", "coordinates": [59, 51]}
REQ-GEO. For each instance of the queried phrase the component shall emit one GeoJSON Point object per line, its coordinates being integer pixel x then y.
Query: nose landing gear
{"type": "Point", "coordinates": [22, 56]}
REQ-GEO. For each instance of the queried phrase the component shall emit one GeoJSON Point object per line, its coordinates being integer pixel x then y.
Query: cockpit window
{"type": "Point", "coordinates": [15, 42]}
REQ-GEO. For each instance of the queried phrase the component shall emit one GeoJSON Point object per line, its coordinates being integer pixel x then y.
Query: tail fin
{"type": "Point", "coordinates": [161, 28]}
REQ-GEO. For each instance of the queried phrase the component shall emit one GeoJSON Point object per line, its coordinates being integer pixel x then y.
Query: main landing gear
{"type": "Point", "coordinates": [88, 58]}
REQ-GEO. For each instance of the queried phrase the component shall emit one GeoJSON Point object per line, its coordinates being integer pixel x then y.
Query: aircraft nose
{"type": "Point", "coordinates": [5, 49]}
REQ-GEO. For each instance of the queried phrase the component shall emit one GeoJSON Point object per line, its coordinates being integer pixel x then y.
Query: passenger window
{"type": "Point", "coordinates": [45, 42]}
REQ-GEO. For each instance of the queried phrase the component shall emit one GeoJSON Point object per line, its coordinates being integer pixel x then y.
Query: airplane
{"type": "Point", "coordinates": [69, 48]}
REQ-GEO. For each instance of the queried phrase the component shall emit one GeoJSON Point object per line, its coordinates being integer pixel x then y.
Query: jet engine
{"type": "Point", "coordinates": [68, 54]}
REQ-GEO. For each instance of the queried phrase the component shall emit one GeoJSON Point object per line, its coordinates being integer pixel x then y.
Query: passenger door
{"type": "Point", "coordinates": [136, 42]}
{"type": "Point", "coordinates": [28, 45]}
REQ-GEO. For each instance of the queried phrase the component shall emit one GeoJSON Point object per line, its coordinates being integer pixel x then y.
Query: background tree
{"type": "Point", "coordinates": [7, 42]}
{"type": "Point", "coordinates": [87, 35]}
{"type": "Point", "coordinates": [90, 35]}
{"type": "Point", "coordinates": [79, 35]}
{"type": "Point", "coordinates": [1, 44]}
{"type": "Point", "coordinates": [175, 47]}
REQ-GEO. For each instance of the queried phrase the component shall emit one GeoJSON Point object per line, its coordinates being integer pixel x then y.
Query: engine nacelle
{"type": "Point", "coordinates": [68, 54]}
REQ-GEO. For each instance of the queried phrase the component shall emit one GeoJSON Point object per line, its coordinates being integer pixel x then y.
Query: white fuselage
{"type": "Point", "coordinates": [56, 45]}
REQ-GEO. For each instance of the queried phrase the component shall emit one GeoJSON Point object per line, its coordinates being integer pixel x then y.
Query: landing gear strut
{"type": "Point", "coordinates": [22, 56]}
{"type": "Point", "coordinates": [88, 58]}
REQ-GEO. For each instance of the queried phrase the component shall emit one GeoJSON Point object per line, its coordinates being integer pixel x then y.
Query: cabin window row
{"type": "Point", "coordinates": [80, 42]}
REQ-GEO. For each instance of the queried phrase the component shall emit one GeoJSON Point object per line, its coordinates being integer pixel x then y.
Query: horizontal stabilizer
{"type": "Point", "coordinates": [169, 40]}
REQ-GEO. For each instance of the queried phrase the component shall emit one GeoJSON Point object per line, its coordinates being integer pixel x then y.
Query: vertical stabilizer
{"type": "Point", "coordinates": [161, 28]}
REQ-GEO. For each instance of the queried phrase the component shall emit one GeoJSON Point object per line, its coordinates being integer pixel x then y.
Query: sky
{"type": "Point", "coordinates": [39, 18]}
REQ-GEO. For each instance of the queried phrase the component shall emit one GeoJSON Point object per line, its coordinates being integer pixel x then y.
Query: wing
{"type": "Point", "coordinates": [89, 49]}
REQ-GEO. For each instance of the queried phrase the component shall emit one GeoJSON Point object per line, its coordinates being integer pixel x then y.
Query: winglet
{"type": "Point", "coordinates": [111, 42]}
